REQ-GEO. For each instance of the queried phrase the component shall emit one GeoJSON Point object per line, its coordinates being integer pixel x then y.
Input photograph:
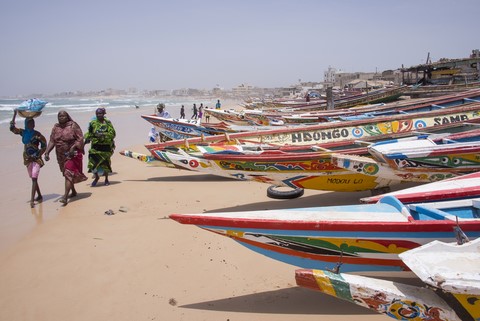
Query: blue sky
{"type": "Point", "coordinates": [52, 46]}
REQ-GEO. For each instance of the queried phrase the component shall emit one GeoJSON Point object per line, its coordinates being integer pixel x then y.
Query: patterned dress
{"type": "Point", "coordinates": [102, 138]}
{"type": "Point", "coordinates": [64, 136]}
{"type": "Point", "coordinates": [32, 147]}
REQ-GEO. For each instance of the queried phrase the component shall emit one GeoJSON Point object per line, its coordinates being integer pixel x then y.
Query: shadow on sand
{"type": "Point", "coordinates": [189, 178]}
{"type": "Point", "coordinates": [293, 300]}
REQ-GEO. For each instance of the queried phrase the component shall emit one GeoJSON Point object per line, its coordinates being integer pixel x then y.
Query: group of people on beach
{"type": "Point", "coordinates": [197, 113]}
{"type": "Point", "coordinates": [68, 141]}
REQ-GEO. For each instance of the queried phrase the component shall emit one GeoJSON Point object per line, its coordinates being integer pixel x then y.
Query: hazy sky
{"type": "Point", "coordinates": [61, 45]}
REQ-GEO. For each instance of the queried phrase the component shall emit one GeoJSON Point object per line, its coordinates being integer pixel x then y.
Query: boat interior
{"type": "Point", "coordinates": [450, 210]}
{"type": "Point", "coordinates": [468, 209]}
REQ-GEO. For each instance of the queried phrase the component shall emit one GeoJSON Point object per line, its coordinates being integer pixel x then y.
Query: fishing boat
{"type": "Point", "coordinates": [310, 169]}
{"type": "Point", "coordinates": [417, 159]}
{"type": "Point", "coordinates": [377, 96]}
{"type": "Point", "coordinates": [461, 187]}
{"type": "Point", "coordinates": [364, 129]}
{"type": "Point", "coordinates": [229, 116]}
{"type": "Point", "coordinates": [365, 237]}
{"type": "Point", "coordinates": [183, 128]}
{"type": "Point", "coordinates": [362, 124]}
{"type": "Point", "coordinates": [289, 115]}
{"type": "Point", "coordinates": [175, 129]}
{"type": "Point", "coordinates": [449, 269]}
{"type": "Point", "coordinates": [295, 167]}
{"type": "Point", "coordinates": [144, 158]}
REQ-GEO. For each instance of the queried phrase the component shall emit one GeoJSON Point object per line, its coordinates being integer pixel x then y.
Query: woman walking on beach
{"type": "Point", "coordinates": [67, 139]}
{"type": "Point", "coordinates": [101, 134]}
{"type": "Point", "coordinates": [35, 145]}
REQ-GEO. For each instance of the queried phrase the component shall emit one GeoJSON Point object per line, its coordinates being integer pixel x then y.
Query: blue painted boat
{"type": "Point", "coordinates": [365, 237]}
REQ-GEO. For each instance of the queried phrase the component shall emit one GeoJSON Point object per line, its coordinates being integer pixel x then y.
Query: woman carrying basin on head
{"type": "Point", "coordinates": [35, 145]}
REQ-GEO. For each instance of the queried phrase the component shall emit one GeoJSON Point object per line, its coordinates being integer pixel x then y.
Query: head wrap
{"type": "Point", "coordinates": [27, 132]}
{"type": "Point", "coordinates": [101, 110]}
{"type": "Point", "coordinates": [63, 111]}
{"type": "Point", "coordinates": [69, 119]}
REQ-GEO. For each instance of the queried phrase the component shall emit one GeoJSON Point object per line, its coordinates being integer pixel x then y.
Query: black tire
{"type": "Point", "coordinates": [282, 195]}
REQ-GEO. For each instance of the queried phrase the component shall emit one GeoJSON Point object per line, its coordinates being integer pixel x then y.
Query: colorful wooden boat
{"type": "Point", "coordinates": [308, 169]}
{"type": "Point", "coordinates": [264, 117]}
{"type": "Point", "coordinates": [365, 237]}
{"type": "Point", "coordinates": [450, 270]}
{"type": "Point", "coordinates": [377, 96]}
{"type": "Point", "coordinates": [417, 159]}
{"type": "Point", "coordinates": [461, 187]}
{"type": "Point", "coordinates": [182, 128]}
{"type": "Point", "coordinates": [371, 111]}
{"type": "Point", "coordinates": [147, 159]}
{"type": "Point", "coordinates": [294, 167]}
{"type": "Point", "coordinates": [393, 299]}
{"type": "Point", "coordinates": [229, 116]}
{"type": "Point", "coordinates": [366, 129]}
{"type": "Point", "coordinates": [188, 128]}
{"type": "Point", "coordinates": [373, 116]}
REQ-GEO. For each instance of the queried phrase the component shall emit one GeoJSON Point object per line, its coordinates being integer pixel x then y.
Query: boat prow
{"type": "Point", "coordinates": [449, 269]}
{"type": "Point", "coordinates": [148, 159]}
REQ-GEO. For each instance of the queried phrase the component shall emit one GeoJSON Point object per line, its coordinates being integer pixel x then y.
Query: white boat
{"type": "Point", "coordinates": [450, 270]}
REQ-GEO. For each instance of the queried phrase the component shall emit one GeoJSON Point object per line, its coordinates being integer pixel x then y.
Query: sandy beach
{"type": "Point", "coordinates": [76, 263]}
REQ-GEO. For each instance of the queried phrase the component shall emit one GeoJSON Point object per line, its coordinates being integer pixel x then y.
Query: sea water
{"type": "Point", "coordinates": [89, 105]}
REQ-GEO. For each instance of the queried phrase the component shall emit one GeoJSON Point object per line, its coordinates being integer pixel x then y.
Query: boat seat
{"type": "Point", "coordinates": [432, 212]}
{"type": "Point", "coordinates": [396, 147]}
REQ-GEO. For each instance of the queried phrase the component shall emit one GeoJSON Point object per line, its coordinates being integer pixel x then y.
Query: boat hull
{"type": "Point", "coordinates": [360, 237]}
{"type": "Point", "coordinates": [310, 173]}
{"type": "Point", "coordinates": [395, 300]}
{"type": "Point", "coordinates": [465, 186]}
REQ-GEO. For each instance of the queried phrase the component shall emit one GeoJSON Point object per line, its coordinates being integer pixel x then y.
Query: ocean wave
{"type": "Point", "coordinates": [82, 105]}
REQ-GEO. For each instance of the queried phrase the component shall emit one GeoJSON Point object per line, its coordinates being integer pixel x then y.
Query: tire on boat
{"type": "Point", "coordinates": [272, 192]}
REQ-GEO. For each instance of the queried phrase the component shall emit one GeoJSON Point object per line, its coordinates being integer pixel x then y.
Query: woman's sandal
{"type": "Point", "coordinates": [63, 200]}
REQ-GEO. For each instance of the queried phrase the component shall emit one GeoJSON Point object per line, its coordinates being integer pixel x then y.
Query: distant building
{"type": "Point", "coordinates": [444, 71]}
{"type": "Point", "coordinates": [329, 76]}
{"type": "Point", "coordinates": [242, 90]}
{"type": "Point", "coordinates": [393, 76]}
{"type": "Point", "coordinates": [180, 92]}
